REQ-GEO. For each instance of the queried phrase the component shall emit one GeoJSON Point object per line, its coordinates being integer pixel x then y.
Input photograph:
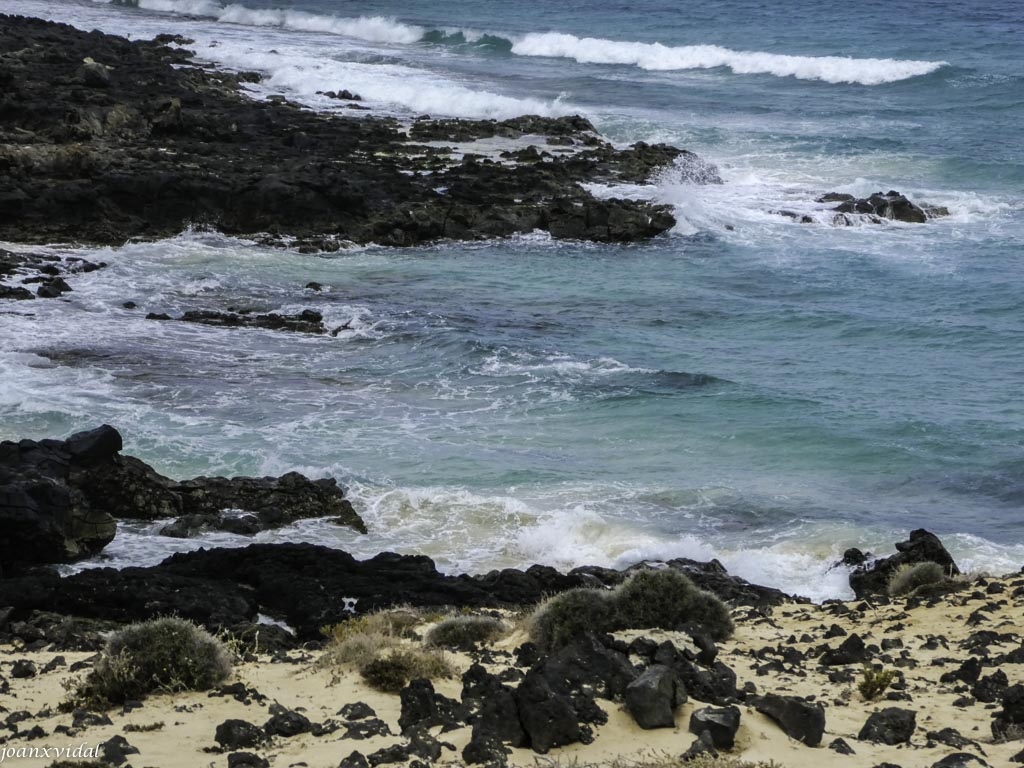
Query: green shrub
{"type": "Point", "coordinates": [908, 578]}
{"type": "Point", "coordinates": [161, 655]}
{"type": "Point", "coordinates": [667, 599]}
{"type": "Point", "coordinates": [873, 682]}
{"type": "Point", "coordinates": [393, 672]}
{"type": "Point", "coordinates": [464, 632]}
{"type": "Point", "coordinates": [561, 619]}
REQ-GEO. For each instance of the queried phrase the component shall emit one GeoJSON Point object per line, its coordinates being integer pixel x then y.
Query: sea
{"type": "Point", "coordinates": [747, 387]}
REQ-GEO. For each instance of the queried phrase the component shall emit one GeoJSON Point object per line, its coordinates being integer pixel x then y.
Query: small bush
{"type": "Point", "coordinates": [562, 618]}
{"type": "Point", "coordinates": [464, 632]}
{"type": "Point", "coordinates": [393, 672]}
{"type": "Point", "coordinates": [667, 599]}
{"type": "Point", "coordinates": [161, 655]}
{"type": "Point", "coordinates": [874, 682]}
{"type": "Point", "coordinates": [909, 578]}
{"type": "Point", "coordinates": [394, 622]}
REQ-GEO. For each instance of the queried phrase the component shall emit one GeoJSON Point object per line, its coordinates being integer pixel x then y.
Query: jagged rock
{"type": "Point", "coordinates": [247, 760]}
{"type": "Point", "coordinates": [548, 718]}
{"type": "Point", "coordinates": [367, 728]}
{"type": "Point", "coordinates": [422, 744]}
{"type": "Point", "coordinates": [968, 672]}
{"type": "Point", "coordinates": [653, 697]}
{"type": "Point", "coordinates": [239, 734]}
{"type": "Point", "coordinates": [588, 663]}
{"type": "Point", "coordinates": [720, 722]}
{"type": "Point", "coordinates": [496, 715]}
{"type": "Point", "coordinates": [94, 74]}
{"type": "Point", "coordinates": [989, 689]}
{"type": "Point", "coordinates": [17, 293]}
{"type": "Point", "coordinates": [960, 760]}
{"type": "Point", "coordinates": [115, 750]}
{"type": "Point", "coordinates": [423, 706]}
{"type": "Point", "coordinates": [357, 710]}
{"type": "Point", "coordinates": [851, 651]}
{"type": "Point", "coordinates": [889, 726]}
{"type": "Point", "coordinates": [840, 746]}
{"type": "Point", "coordinates": [286, 722]}
{"type": "Point", "coordinates": [58, 499]}
{"type": "Point", "coordinates": [1012, 713]}
{"type": "Point", "coordinates": [799, 719]}
{"type": "Point", "coordinates": [703, 745]}
{"type": "Point", "coordinates": [883, 205]}
{"type": "Point", "coordinates": [921, 547]}
{"type": "Point", "coordinates": [130, 594]}
{"type": "Point", "coordinates": [84, 719]}
{"type": "Point", "coordinates": [396, 753]}
{"type": "Point", "coordinates": [90, 170]}
{"type": "Point", "coordinates": [487, 750]}
{"type": "Point", "coordinates": [307, 321]}
{"type": "Point", "coordinates": [354, 760]}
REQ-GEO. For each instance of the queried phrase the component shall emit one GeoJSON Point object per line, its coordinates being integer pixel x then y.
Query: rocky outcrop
{"type": "Point", "coordinates": [891, 205]}
{"type": "Point", "coordinates": [44, 516]}
{"type": "Point", "coordinates": [104, 139]}
{"type": "Point", "coordinates": [872, 577]}
{"type": "Point", "coordinates": [307, 321]}
{"type": "Point", "coordinates": [59, 499]}
{"type": "Point", "coordinates": [44, 271]}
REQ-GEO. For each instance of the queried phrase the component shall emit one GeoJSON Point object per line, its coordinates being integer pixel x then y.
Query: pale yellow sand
{"type": "Point", "coordinates": [190, 719]}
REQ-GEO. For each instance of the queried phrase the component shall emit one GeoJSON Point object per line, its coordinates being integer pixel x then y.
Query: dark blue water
{"type": "Point", "coordinates": [748, 387]}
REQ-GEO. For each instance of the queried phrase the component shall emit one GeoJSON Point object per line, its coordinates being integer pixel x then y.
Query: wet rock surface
{"type": "Point", "coordinates": [138, 142]}
{"type": "Point", "coordinates": [60, 499]}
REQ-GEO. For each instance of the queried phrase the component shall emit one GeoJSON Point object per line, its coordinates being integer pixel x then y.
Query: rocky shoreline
{"type": "Point", "coordinates": [105, 140]}
{"type": "Point", "coordinates": [783, 688]}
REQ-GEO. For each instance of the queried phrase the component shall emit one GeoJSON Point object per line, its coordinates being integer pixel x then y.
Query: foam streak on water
{"type": "Point", "coordinates": [752, 388]}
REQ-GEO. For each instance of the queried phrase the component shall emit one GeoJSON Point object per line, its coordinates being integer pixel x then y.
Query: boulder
{"type": "Point", "coordinates": [922, 547]}
{"type": "Point", "coordinates": [1011, 716]}
{"type": "Point", "coordinates": [799, 719]}
{"type": "Point", "coordinates": [721, 723]}
{"type": "Point", "coordinates": [239, 734]}
{"type": "Point", "coordinates": [653, 697]}
{"type": "Point", "coordinates": [889, 726]}
{"type": "Point", "coordinates": [548, 718]}
{"type": "Point", "coordinates": [851, 651]}
{"type": "Point", "coordinates": [880, 205]}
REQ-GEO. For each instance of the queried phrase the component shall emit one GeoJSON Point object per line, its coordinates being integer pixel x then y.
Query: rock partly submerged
{"type": "Point", "coordinates": [60, 499]}
{"type": "Point", "coordinates": [104, 139]}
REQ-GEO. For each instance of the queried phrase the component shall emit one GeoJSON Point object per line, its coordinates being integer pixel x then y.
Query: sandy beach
{"type": "Point", "coordinates": [924, 640]}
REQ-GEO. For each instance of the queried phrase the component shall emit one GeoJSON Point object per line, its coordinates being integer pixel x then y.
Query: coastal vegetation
{"type": "Point", "coordinates": [165, 655]}
{"type": "Point", "coordinates": [650, 598]}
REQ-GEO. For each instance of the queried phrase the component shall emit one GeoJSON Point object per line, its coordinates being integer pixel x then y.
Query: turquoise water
{"type": "Point", "coordinates": [747, 387]}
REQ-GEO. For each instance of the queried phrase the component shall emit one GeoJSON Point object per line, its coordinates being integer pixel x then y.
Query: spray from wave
{"type": "Point", "coordinates": [585, 50]}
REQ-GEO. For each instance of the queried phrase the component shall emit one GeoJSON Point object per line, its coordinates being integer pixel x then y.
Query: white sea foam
{"type": "Point", "coordinates": [659, 57]}
{"type": "Point", "coordinates": [585, 50]}
{"type": "Point", "coordinates": [374, 29]}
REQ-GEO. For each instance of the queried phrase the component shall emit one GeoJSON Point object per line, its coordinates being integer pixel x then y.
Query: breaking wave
{"type": "Point", "coordinates": [585, 50]}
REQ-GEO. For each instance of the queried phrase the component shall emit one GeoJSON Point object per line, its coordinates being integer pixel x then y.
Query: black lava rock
{"type": "Point", "coordinates": [799, 719]}
{"type": "Point", "coordinates": [721, 723]}
{"type": "Point", "coordinates": [889, 726]}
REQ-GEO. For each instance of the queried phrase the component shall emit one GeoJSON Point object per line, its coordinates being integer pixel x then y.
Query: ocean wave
{"type": "Point", "coordinates": [658, 57]}
{"type": "Point", "coordinates": [374, 29]}
{"type": "Point", "coordinates": [585, 50]}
